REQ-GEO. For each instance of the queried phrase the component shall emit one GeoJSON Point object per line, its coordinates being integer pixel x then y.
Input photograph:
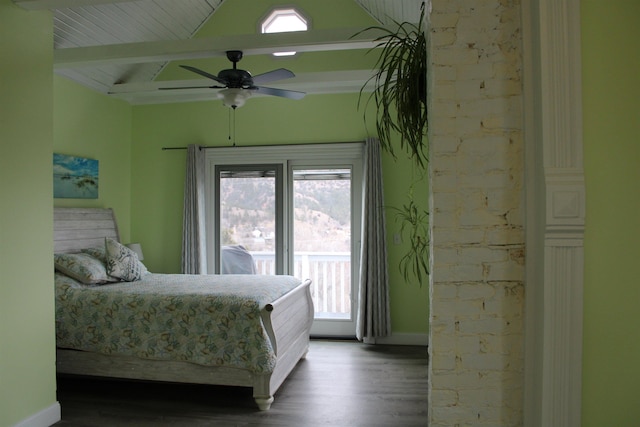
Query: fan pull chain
{"type": "Point", "coordinates": [229, 126]}
{"type": "Point", "coordinates": [232, 129]}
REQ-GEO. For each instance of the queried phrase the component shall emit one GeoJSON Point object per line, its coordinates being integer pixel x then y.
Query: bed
{"type": "Point", "coordinates": [100, 328]}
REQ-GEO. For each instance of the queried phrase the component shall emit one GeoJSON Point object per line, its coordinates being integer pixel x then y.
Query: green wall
{"type": "Point", "coordinates": [27, 339]}
{"type": "Point", "coordinates": [611, 92]}
{"type": "Point", "coordinates": [89, 124]}
{"type": "Point", "coordinates": [239, 17]}
{"type": "Point", "coordinates": [153, 194]}
{"type": "Point", "coordinates": [41, 114]}
{"type": "Point", "coordinates": [158, 176]}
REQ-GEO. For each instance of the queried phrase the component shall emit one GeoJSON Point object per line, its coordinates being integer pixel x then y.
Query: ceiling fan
{"type": "Point", "coordinates": [238, 85]}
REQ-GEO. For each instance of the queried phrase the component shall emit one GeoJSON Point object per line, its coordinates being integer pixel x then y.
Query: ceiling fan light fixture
{"type": "Point", "coordinates": [234, 97]}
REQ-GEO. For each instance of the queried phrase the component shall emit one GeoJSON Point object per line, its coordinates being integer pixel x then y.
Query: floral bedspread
{"type": "Point", "coordinates": [203, 319]}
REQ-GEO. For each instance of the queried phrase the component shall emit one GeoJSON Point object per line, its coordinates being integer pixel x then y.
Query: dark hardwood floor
{"type": "Point", "coordinates": [340, 383]}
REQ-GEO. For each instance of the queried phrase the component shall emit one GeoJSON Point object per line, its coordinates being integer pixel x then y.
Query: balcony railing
{"type": "Point", "coordinates": [330, 274]}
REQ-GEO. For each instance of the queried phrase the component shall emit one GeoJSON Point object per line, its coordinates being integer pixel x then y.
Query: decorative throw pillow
{"type": "Point", "coordinates": [122, 262]}
{"type": "Point", "coordinates": [98, 253]}
{"type": "Point", "coordinates": [101, 254]}
{"type": "Point", "coordinates": [82, 267]}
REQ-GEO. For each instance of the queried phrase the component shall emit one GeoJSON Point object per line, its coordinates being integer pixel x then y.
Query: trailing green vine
{"type": "Point", "coordinates": [414, 229]}
{"type": "Point", "coordinates": [400, 97]}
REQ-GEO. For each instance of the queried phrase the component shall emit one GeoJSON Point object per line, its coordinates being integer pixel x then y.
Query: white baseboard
{"type": "Point", "coordinates": [394, 339]}
{"type": "Point", "coordinates": [404, 339]}
{"type": "Point", "coordinates": [45, 418]}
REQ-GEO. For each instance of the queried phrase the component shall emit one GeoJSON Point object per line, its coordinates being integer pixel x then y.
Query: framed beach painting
{"type": "Point", "coordinates": [74, 177]}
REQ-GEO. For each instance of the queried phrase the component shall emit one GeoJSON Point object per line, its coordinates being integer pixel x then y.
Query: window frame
{"type": "Point", "coordinates": [286, 9]}
{"type": "Point", "coordinates": [299, 156]}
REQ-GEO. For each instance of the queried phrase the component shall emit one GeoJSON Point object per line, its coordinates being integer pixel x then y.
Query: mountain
{"type": "Point", "coordinates": [321, 210]}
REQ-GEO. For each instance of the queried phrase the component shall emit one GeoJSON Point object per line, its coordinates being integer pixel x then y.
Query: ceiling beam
{"type": "Point", "coordinates": [59, 4]}
{"type": "Point", "coordinates": [302, 81]}
{"type": "Point", "coordinates": [345, 81]}
{"type": "Point", "coordinates": [250, 44]}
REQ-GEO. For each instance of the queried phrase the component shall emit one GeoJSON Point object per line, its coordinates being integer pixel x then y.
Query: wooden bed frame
{"type": "Point", "coordinates": [287, 322]}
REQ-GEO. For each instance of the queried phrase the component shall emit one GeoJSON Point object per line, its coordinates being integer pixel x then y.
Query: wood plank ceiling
{"type": "Point", "coordinates": [118, 47]}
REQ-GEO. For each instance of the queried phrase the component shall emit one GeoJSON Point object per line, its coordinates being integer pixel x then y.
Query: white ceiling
{"type": "Point", "coordinates": [118, 47]}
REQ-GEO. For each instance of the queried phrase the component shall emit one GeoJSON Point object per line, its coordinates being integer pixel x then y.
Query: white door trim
{"type": "Point", "coordinates": [555, 212]}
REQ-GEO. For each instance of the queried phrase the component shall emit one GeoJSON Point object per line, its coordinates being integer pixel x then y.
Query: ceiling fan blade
{"type": "Point", "coordinates": [192, 87]}
{"type": "Point", "coordinates": [272, 76]}
{"type": "Point", "coordinates": [291, 94]}
{"type": "Point", "coordinates": [203, 73]}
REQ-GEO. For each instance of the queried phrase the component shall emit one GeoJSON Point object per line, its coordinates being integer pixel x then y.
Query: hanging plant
{"type": "Point", "coordinates": [399, 91]}
{"type": "Point", "coordinates": [400, 97]}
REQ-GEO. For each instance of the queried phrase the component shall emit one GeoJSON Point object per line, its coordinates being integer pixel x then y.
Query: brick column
{"type": "Point", "coordinates": [476, 175]}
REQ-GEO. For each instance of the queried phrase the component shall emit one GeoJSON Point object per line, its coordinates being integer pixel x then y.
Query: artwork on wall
{"type": "Point", "coordinates": [74, 177]}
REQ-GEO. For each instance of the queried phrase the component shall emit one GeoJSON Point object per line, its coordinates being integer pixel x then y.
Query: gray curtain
{"type": "Point", "coordinates": [373, 317]}
{"type": "Point", "coordinates": [193, 218]}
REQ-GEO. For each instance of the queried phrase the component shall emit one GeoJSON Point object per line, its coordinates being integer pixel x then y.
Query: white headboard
{"type": "Point", "coordinates": [79, 228]}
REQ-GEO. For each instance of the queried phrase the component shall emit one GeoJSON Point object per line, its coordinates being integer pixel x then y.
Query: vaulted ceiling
{"type": "Point", "coordinates": [118, 47]}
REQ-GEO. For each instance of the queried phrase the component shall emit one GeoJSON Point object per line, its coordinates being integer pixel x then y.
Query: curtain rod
{"type": "Point", "coordinates": [204, 147]}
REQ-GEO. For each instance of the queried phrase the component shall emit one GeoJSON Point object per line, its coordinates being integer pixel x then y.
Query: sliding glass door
{"type": "Point", "coordinates": [296, 212]}
{"type": "Point", "coordinates": [322, 243]}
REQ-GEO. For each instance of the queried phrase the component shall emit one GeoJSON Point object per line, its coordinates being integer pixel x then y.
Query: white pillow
{"type": "Point", "coordinates": [122, 262]}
